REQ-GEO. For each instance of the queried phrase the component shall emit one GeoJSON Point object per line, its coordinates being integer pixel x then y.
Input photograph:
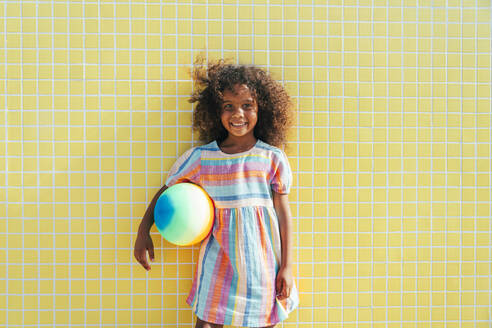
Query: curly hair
{"type": "Point", "coordinates": [275, 114]}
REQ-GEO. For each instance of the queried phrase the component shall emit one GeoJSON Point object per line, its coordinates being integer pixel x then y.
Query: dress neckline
{"type": "Point", "coordinates": [236, 154]}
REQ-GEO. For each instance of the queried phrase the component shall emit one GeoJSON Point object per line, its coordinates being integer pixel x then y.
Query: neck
{"type": "Point", "coordinates": [244, 141]}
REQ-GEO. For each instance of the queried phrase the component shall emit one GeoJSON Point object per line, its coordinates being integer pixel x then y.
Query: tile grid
{"type": "Point", "coordinates": [416, 299]}
{"type": "Point", "coordinates": [357, 213]}
{"type": "Point", "coordinates": [18, 289]}
{"type": "Point", "coordinates": [490, 175]}
{"type": "Point", "coordinates": [92, 294]}
{"type": "Point", "coordinates": [476, 179]}
{"type": "Point", "coordinates": [387, 250]}
{"type": "Point", "coordinates": [69, 168]}
{"type": "Point", "coordinates": [38, 182]}
{"type": "Point", "coordinates": [461, 216]}
{"type": "Point", "coordinates": [431, 177]}
{"type": "Point", "coordinates": [447, 231]}
{"type": "Point", "coordinates": [102, 292]}
{"type": "Point", "coordinates": [477, 202]}
{"type": "Point", "coordinates": [6, 138]}
{"type": "Point", "coordinates": [131, 151]}
{"type": "Point", "coordinates": [115, 193]}
{"type": "Point", "coordinates": [373, 157]}
{"type": "Point", "coordinates": [402, 77]}
{"type": "Point", "coordinates": [312, 273]}
{"type": "Point", "coordinates": [342, 228]}
{"type": "Point", "coordinates": [22, 170]}
{"type": "Point", "coordinates": [84, 164]}
{"type": "Point", "coordinates": [53, 123]}
{"type": "Point", "coordinates": [310, 305]}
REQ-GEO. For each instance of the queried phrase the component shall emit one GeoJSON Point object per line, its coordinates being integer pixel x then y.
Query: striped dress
{"type": "Point", "coordinates": [234, 282]}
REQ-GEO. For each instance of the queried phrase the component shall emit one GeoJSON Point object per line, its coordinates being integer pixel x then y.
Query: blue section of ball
{"type": "Point", "coordinates": [163, 212]}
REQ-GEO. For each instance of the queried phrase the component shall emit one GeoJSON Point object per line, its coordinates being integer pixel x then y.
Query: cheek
{"type": "Point", "coordinates": [223, 117]}
{"type": "Point", "coordinates": [224, 120]}
{"type": "Point", "coordinates": [254, 117]}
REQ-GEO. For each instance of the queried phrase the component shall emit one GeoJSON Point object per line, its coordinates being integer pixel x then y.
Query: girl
{"type": "Point", "coordinates": [243, 276]}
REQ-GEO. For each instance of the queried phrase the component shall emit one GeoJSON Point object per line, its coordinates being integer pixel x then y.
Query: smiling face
{"type": "Point", "coordinates": [239, 113]}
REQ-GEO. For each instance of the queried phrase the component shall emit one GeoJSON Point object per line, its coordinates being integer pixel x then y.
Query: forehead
{"type": "Point", "coordinates": [238, 91]}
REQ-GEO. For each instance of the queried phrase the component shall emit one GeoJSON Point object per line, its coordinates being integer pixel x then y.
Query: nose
{"type": "Point", "coordinates": [238, 111]}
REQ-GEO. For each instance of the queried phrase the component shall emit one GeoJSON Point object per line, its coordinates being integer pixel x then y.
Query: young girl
{"type": "Point", "coordinates": [243, 275]}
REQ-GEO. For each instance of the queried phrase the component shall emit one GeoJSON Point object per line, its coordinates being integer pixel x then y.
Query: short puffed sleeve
{"type": "Point", "coordinates": [186, 168]}
{"type": "Point", "coordinates": [281, 174]}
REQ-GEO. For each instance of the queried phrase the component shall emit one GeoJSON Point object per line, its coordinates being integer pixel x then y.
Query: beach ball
{"type": "Point", "coordinates": [184, 214]}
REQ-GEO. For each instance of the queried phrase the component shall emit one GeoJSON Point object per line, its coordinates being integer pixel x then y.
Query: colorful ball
{"type": "Point", "coordinates": [184, 214]}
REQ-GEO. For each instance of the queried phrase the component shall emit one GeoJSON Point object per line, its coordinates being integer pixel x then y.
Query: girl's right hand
{"type": "Point", "coordinates": [144, 244]}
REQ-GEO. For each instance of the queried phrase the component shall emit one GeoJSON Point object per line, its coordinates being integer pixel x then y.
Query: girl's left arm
{"type": "Point", "coordinates": [285, 280]}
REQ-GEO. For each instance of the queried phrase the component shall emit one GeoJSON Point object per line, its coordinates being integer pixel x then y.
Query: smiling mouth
{"type": "Point", "coordinates": [238, 125]}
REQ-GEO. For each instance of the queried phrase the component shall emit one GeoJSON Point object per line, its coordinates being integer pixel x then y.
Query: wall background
{"type": "Point", "coordinates": [391, 155]}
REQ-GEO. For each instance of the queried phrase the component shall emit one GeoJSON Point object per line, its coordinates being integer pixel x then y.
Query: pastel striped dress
{"type": "Point", "coordinates": [234, 282]}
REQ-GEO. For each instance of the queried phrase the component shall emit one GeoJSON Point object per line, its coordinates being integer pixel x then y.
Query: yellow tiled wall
{"type": "Point", "coordinates": [391, 155]}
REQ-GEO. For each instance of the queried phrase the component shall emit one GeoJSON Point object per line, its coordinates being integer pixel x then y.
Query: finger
{"type": "Point", "coordinates": [143, 261]}
{"type": "Point", "coordinates": [280, 290]}
{"type": "Point", "coordinates": [284, 291]}
{"type": "Point", "coordinates": [278, 285]}
{"type": "Point", "coordinates": [145, 264]}
{"type": "Point", "coordinates": [282, 287]}
{"type": "Point", "coordinates": [151, 253]}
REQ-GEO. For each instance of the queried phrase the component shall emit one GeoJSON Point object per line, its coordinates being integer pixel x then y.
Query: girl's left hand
{"type": "Point", "coordinates": [284, 283]}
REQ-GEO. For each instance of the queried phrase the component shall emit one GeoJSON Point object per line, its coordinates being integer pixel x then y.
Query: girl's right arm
{"type": "Point", "coordinates": [143, 243]}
